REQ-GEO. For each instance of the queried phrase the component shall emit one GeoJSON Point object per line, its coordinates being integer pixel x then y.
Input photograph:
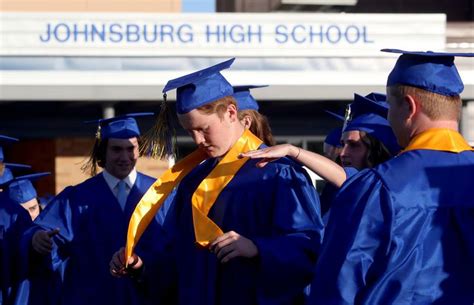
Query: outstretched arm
{"type": "Point", "coordinates": [324, 167]}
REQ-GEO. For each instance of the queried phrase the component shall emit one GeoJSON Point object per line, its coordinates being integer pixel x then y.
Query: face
{"type": "Point", "coordinates": [211, 133]}
{"type": "Point", "coordinates": [398, 113]}
{"type": "Point", "coordinates": [354, 151]}
{"type": "Point", "coordinates": [331, 151]}
{"type": "Point", "coordinates": [32, 207]}
{"type": "Point", "coordinates": [121, 156]}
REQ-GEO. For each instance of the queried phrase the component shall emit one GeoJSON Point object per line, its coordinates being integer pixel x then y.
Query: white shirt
{"type": "Point", "coordinates": [112, 181]}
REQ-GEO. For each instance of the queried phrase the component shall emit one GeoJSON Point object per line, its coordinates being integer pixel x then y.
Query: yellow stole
{"type": "Point", "coordinates": [439, 139]}
{"type": "Point", "coordinates": [203, 198]}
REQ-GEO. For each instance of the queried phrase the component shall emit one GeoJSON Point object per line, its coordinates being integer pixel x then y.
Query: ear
{"type": "Point", "coordinates": [412, 106]}
{"type": "Point", "coordinates": [233, 112]}
{"type": "Point", "coordinates": [247, 121]}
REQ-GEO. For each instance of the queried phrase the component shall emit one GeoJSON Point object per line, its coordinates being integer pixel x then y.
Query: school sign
{"type": "Point", "coordinates": [208, 35]}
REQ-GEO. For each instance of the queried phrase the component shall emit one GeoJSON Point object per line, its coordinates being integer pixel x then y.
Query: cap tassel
{"type": "Point", "coordinates": [160, 141]}
{"type": "Point", "coordinates": [91, 164]}
{"type": "Point", "coordinates": [347, 116]}
{"type": "Point", "coordinates": [2, 168]}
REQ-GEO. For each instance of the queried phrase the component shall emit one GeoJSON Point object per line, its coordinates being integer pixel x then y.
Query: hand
{"type": "Point", "coordinates": [117, 264]}
{"type": "Point", "coordinates": [231, 245]}
{"type": "Point", "coordinates": [270, 154]}
{"type": "Point", "coordinates": [42, 241]}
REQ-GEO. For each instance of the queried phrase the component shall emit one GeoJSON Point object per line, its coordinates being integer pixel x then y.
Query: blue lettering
{"type": "Point", "coordinates": [95, 32]}
{"type": "Point", "coordinates": [312, 34]}
{"type": "Point", "coordinates": [48, 34]}
{"type": "Point", "coordinates": [115, 32]}
{"type": "Point", "coordinates": [185, 36]}
{"type": "Point", "coordinates": [338, 34]}
{"type": "Point", "coordinates": [57, 32]}
{"type": "Point", "coordinates": [78, 32]}
{"type": "Point", "coordinates": [132, 33]}
{"type": "Point", "coordinates": [258, 33]}
{"type": "Point", "coordinates": [365, 35]}
{"type": "Point", "coordinates": [239, 35]}
{"type": "Point", "coordinates": [293, 34]}
{"type": "Point", "coordinates": [166, 30]}
{"type": "Point", "coordinates": [278, 33]}
{"type": "Point", "coordinates": [210, 33]}
{"type": "Point", "coordinates": [146, 33]}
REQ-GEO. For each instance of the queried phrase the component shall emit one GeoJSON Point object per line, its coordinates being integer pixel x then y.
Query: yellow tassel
{"type": "Point", "coordinates": [160, 141]}
{"type": "Point", "coordinates": [2, 168]}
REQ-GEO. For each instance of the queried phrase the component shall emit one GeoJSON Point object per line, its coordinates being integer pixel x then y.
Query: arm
{"type": "Point", "coordinates": [324, 167]}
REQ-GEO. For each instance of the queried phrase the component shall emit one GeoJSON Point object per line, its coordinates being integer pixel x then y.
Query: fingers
{"type": "Point", "coordinates": [53, 232]}
{"type": "Point", "coordinates": [42, 243]}
{"type": "Point", "coordinates": [116, 265]}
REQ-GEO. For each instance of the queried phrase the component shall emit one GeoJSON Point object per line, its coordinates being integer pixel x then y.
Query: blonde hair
{"type": "Point", "coordinates": [259, 126]}
{"type": "Point", "coordinates": [435, 106]}
{"type": "Point", "coordinates": [219, 106]}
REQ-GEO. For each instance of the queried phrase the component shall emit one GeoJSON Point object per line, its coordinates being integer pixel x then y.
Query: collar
{"type": "Point", "coordinates": [112, 180]}
{"type": "Point", "coordinates": [441, 139]}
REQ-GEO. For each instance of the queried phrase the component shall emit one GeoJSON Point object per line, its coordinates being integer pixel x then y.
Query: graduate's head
{"type": "Point", "coordinates": [116, 148]}
{"type": "Point", "coordinates": [423, 90]}
{"type": "Point", "coordinates": [21, 191]}
{"type": "Point", "coordinates": [332, 145]}
{"type": "Point", "coordinates": [249, 115]}
{"type": "Point", "coordinates": [207, 110]}
{"type": "Point", "coordinates": [367, 137]}
{"type": "Point", "coordinates": [9, 172]}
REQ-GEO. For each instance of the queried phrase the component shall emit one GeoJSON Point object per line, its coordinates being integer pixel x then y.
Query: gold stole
{"type": "Point", "coordinates": [203, 198]}
{"type": "Point", "coordinates": [439, 139]}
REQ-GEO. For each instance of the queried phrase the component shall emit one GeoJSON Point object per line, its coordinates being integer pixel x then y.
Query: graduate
{"type": "Point", "coordinates": [14, 220]}
{"type": "Point", "coordinates": [74, 237]}
{"type": "Point", "coordinates": [407, 234]}
{"type": "Point", "coordinates": [22, 192]}
{"type": "Point", "coordinates": [242, 235]}
{"type": "Point", "coordinates": [250, 116]}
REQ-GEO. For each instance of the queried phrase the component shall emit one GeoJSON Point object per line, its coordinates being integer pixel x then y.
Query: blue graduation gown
{"type": "Point", "coordinates": [402, 233]}
{"type": "Point", "coordinates": [92, 227]}
{"type": "Point", "coordinates": [14, 220]}
{"type": "Point", "coordinates": [278, 209]}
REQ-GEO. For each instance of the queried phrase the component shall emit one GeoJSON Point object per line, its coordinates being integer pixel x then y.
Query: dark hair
{"type": "Point", "coordinates": [376, 151]}
{"type": "Point", "coordinates": [97, 157]}
{"type": "Point", "coordinates": [260, 125]}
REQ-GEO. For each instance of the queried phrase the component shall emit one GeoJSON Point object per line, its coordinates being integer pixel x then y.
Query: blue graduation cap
{"type": "Point", "coordinates": [4, 140]}
{"type": "Point", "coordinates": [336, 115]}
{"type": "Point", "coordinates": [334, 137]}
{"type": "Point", "coordinates": [11, 168]}
{"type": "Point", "coordinates": [430, 71]}
{"type": "Point", "coordinates": [378, 127]}
{"type": "Point", "coordinates": [364, 104]}
{"type": "Point", "coordinates": [201, 87]}
{"type": "Point", "coordinates": [245, 100]}
{"type": "Point", "coordinates": [119, 127]}
{"type": "Point", "coordinates": [21, 189]}
{"type": "Point", "coordinates": [370, 116]}
{"type": "Point", "coordinates": [377, 97]}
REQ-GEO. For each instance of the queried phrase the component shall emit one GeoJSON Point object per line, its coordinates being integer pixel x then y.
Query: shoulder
{"type": "Point", "coordinates": [146, 178]}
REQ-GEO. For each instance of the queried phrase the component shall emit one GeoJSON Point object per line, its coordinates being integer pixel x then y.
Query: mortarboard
{"type": "Point", "coordinates": [245, 100]}
{"type": "Point", "coordinates": [11, 168]}
{"type": "Point", "coordinates": [201, 87]}
{"type": "Point", "coordinates": [430, 71]}
{"type": "Point", "coordinates": [21, 190]}
{"type": "Point", "coordinates": [334, 137]}
{"type": "Point", "coordinates": [364, 104]}
{"type": "Point", "coordinates": [370, 116]}
{"type": "Point", "coordinates": [119, 127]}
